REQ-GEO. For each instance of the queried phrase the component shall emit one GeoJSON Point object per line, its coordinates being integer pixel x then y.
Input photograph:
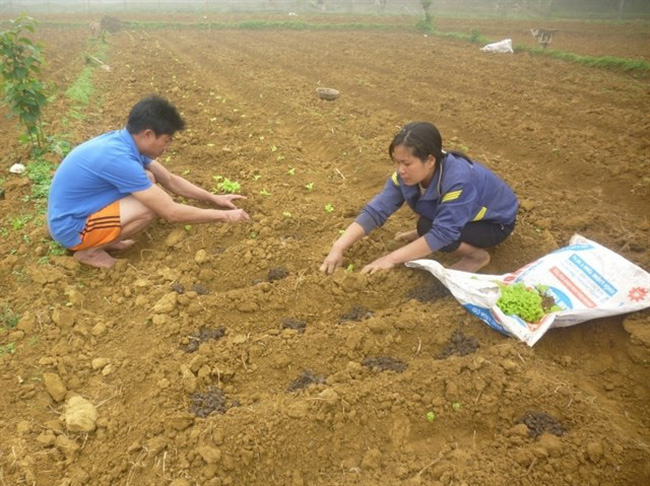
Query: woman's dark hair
{"type": "Point", "coordinates": [157, 114]}
{"type": "Point", "coordinates": [422, 139]}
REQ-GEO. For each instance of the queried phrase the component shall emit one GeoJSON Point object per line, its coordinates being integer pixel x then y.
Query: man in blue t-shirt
{"type": "Point", "coordinates": [105, 190]}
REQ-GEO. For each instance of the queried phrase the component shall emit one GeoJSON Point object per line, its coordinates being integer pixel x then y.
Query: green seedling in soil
{"type": "Point", "coordinates": [9, 348]}
{"type": "Point", "coordinates": [44, 260]}
{"type": "Point", "coordinates": [286, 214]}
{"type": "Point", "coordinates": [280, 158]}
{"type": "Point", "coordinates": [186, 172]}
{"type": "Point", "coordinates": [310, 186]}
{"type": "Point", "coordinates": [292, 171]}
{"type": "Point", "coordinates": [257, 177]}
{"type": "Point", "coordinates": [40, 173]}
{"type": "Point", "coordinates": [456, 406]}
{"type": "Point", "coordinates": [252, 235]}
{"type": "Point", "coordinates": [274, 148]}
{"type": "Point", "coordinates": [55, 249]}
{"type": "Point", "coordinates": [19, 222]}
{"type": "Point", "coordinates": [226, 185]}
{"type": "Point", "coordinates": [264, 192]}
{"type": "Point", "coordinates": [187, 228]}
{"type": "Point", "coordinates": [431, 416]}
{"type": "Point", "coordinates": [329, 208]}
{"type": "Point", "coordinates": [350, 268]}
{"type": "Point", "coordinates": [8, 318]}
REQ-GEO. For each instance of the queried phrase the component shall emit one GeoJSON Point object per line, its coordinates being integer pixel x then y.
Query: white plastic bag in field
{"type": "Point", "coordinates": [586, 281]}
{"type": "Point", "coordinates": [503, 46]}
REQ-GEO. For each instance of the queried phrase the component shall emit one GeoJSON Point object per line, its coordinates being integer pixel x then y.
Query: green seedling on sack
{"type": "Point", "coordinates": [329, 208]}
{"type": "Point", "coordinates": [527, 303]}
{"type": "Point", "coordinates": [431, 416]}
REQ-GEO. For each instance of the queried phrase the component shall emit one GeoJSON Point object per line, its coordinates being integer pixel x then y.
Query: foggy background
{"type": "Point", "coordinates": [491, 8]}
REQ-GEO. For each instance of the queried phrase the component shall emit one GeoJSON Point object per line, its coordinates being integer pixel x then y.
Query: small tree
{"type": "Point", "coordinates": [21, 69]}
{"type": "Point", "coordinates": [425, 24]}
{"type": "Point", "coordinates": [426, 6]}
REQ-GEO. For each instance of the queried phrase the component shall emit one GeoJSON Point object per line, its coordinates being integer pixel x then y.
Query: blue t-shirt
{"type": "Point", "coordinates": [93, 175]}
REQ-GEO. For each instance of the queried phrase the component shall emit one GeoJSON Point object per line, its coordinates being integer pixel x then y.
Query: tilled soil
{"type": "Point", "coordinates": [219, 355]}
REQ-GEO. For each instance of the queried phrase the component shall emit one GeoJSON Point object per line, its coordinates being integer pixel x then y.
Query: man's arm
{"type": "Point", "coordinates": [182, 187]}
{"type": "Point", "coordinates": [164, 206]}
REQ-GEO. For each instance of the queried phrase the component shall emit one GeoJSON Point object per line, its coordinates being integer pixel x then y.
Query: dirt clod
{"type": "Point", "coordinates": [459, 344]}
{"type": "Point", "coordinates": [428, 293]}
{"type": "Point", "coordinates": [305, 379]}
{"type": "Point", "coordinates": [277, 273]}
{"type": "Point", "coordinates": [540, 422]}
{"type": "Point", "coordinates": [295, 324]}
{"type": "Point", "coordinates": [200, 289]}
{"type": "Point", "coordinates": [204, 334]}
{"type": "Point", "coordinates": [357, 313]}
{"type": "Point", "coordinates": [384, 363]}
{"type": "Point", "coordinates": [205, 403]}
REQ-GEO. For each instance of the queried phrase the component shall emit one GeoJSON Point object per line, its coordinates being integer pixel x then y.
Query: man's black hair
{"type": "Point", "coordinates": [157, 114]}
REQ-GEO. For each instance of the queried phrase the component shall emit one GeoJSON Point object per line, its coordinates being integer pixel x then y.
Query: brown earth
{"type": "Point", "coordinates": [219, 355]}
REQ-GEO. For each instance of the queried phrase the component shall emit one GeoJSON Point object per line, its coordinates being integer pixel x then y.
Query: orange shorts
{"type": "Point", "coordinates": [101, 227]}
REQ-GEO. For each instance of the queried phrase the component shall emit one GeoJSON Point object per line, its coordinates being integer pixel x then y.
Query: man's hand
{"type": "Point", "coordinates": [236, 216]}
{"type": "Point", "coordinates": [383, 263]}
{"type": "Point", "coordinates": [226, 201]}
{"type": "Point", "coordinates": [333, 261]}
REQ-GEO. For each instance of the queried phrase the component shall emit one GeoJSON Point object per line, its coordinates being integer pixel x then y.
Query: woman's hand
{"type": "Point", "coordinates": [333, 261]}
{"type": "Point", "coordinates": [383, 263]}
{"type": "Point", "coordinates": [407, 236]}
{"type": "Point", "coordinates": [226, 200]}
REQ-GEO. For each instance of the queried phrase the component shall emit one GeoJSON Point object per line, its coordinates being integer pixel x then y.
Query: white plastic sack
{"type": "Point", "coordinates": [17, 169]}
{"type": "Point", "coordinates": [499, 47]}
{"type": "Point", "coordinates": [585, 279]}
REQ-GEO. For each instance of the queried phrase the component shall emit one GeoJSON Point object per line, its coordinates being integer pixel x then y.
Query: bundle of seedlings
{"type": "Point", "coordinates": [528, 303]}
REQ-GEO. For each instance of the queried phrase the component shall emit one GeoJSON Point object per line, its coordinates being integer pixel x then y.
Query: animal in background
{"type": "Point", "coordinates": [544, 36]}
{"type": "Point", "coordinates": [94, 29]}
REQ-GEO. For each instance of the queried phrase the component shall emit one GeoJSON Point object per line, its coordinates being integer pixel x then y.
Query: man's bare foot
{"type": "Point", "coordinates": [95, 257]}
{"type": "Point", "coordinates": [119, 245]}
{"type": "Point", "coordinates": [473, 262]}
{"type": "Point", "coordinates": [407, 236]}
